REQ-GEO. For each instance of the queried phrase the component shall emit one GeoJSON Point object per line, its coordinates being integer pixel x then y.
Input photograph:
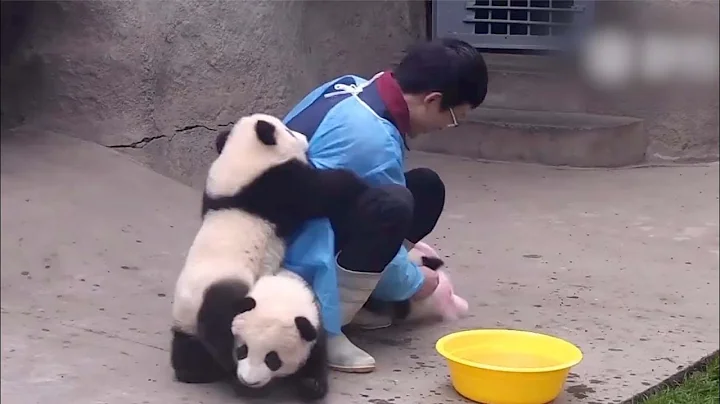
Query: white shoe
{"type": "Point", "coordinates": [367, 320]}
{"type": "Point", "coordinates": [344, 356]}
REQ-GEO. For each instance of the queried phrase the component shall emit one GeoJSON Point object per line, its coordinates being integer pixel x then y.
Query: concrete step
{"type": "Point", "coordinates": [534, 90]}
{"type": "Point", "coordinates": [533, 83]}
{"type": "Point", "coordinates": [550, 138]}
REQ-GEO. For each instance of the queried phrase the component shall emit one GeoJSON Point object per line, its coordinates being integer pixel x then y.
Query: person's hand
{"type": "Point", "coordinates": [450, 306]}
{"type": "Point", "coordinates": [437, 290]}
{"type": "Point", "coordinates": [432, 280]}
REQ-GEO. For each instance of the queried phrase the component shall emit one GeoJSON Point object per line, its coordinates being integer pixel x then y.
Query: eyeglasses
{"type": "Point", "coordinates": [454, 122]}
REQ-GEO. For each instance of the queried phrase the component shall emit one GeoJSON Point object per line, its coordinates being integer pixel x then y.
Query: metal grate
{"type": "Point", "coordinates": [512, 24]}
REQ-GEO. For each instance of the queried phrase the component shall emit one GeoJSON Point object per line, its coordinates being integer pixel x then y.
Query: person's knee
{"type": "Point", "coordinates": [428, 191]}
{"type": "Point", "coordinates": [379, 223]}
{"type": "Point", "coordinates": [389, 208]}
{"type": "Point", "coordinates": [426, 182]}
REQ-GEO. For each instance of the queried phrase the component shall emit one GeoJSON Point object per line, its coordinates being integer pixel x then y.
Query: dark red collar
{"type": "Point", "coordinates": [393, 99]}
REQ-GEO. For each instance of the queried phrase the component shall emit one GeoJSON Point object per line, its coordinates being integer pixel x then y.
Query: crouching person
{"type": "Point", "coordinates": [362, 125]}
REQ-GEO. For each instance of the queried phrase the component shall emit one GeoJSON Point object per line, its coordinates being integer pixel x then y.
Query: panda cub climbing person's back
{"type": "Point", "coordinates": [259, 190]}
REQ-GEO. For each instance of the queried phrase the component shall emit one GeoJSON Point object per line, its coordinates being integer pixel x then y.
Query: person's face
{"type": "Point", "coordinates": [428, 116]}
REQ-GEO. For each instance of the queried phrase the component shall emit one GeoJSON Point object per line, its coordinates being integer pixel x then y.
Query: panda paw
{"type": "Point", "coordinates": [310, 388]}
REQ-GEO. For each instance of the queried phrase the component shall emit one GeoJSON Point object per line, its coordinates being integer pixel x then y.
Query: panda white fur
{"type": "Point", "coordinates": [259, 190]}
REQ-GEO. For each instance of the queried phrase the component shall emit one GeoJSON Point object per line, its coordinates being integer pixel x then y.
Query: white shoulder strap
{"type": "Point", "coordinates": [354, 90]}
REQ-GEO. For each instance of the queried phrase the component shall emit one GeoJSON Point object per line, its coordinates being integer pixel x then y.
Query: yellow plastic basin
{"type": "Point", "coordinates": [507, 366]}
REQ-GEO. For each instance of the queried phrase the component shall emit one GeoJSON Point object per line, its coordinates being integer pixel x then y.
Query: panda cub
{"type": "Point", "coordinates": [278, 333]}
{"type": "Point", "coordinates": [259, 190]}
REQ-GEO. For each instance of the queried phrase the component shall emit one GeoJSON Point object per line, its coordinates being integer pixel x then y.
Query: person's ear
{"type": "Point", "coordinates": [433, 98]}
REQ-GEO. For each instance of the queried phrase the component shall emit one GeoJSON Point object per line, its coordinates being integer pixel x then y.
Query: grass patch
{"type": "Point", "coordinates": [700, 387]}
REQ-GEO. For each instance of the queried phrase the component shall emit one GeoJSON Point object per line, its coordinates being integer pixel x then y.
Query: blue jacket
{"type": "Point", "coordinates": [350, 127]}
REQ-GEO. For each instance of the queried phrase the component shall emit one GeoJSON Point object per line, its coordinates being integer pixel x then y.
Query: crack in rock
{"type": "Point", "coordinates": [137, 145]}
{"type": "Point", "coordinates": [191, 127]}
{"type": "Point", "coordinates": [148, 139]}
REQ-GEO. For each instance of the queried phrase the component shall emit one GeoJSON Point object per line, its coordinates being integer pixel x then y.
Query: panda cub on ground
{"type": "Point", "coordinates": [278, 332]}
{"type": "Point", "coordinates": [275, 331]}
{"type": "Point", "coordinates": [259, 190]}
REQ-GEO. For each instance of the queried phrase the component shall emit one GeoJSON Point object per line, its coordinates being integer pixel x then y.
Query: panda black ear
{"type": "Point", "coordinates": [247, 303]}
{"type": "Point", "coordinates": [306, 329]}
{"type": "Point", "coordinates": [265, 132]}
{"type": "Point", "coordinates": [220, 140]}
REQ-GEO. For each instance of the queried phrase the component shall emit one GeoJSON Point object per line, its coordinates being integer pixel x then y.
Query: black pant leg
{"type": "Point", "coordinates": [369, 236]}
{"type": "Point", "coordinates": [428, 192]}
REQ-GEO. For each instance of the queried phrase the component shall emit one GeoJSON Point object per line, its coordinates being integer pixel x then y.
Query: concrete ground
{"type": "Point", "coordinates": [623, 263]}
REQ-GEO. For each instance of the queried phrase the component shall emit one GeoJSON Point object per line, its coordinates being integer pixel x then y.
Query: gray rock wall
{"type": "Point", "coordinates": [156, 79]}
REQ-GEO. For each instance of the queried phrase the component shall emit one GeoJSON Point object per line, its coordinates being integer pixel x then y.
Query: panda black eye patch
{"type": "Point", "coordinates": [272, 361]}
{"type": "Point", "coordinates": [241, 352]}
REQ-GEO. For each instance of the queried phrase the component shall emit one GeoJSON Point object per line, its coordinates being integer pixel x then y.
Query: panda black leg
{"type": "Point", "coordinates": [312, 378]}
{"type": "Point", "coordinates": [310, 389]}
{"type": "Point", "coordinates": [191, 362]}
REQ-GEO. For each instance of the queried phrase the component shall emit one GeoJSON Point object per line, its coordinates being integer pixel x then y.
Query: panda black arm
{"type": "Point", "coordinates": [336, 190]}
{"type": "Point", "coordinates": [289, 194]}
{"type": "Point", "coordinates": [315, 193]}
{"type": "Point", "coordinates": [222, 302]}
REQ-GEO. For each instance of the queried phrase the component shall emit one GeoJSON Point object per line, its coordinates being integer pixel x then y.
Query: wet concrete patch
{"type": "Point", "coordinates": [580, 391]}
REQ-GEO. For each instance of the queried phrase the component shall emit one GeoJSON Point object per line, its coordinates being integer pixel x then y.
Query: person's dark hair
{"type": "Point", "coordinates": [449, 66]}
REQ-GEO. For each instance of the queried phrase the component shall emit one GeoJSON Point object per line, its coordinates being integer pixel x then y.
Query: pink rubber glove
{"type": "Point", "coordinates": [443, 301]}
{"type": "Point", "coordinates": [447, 304]}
